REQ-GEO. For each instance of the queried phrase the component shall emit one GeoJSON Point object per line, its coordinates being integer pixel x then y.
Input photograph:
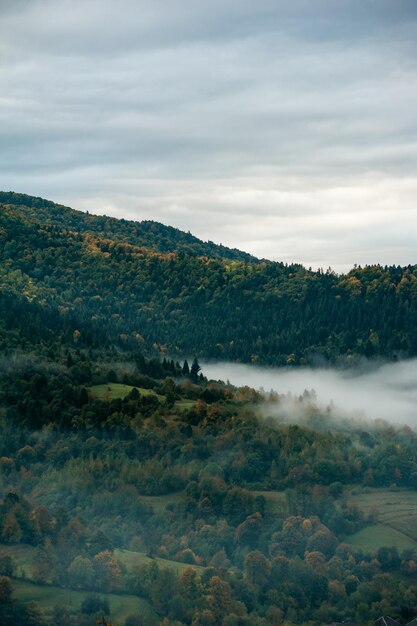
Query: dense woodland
{"type": "Point", "coordinates": [154, 287]}
{"type": "Point", "coordinates": [127, 473]}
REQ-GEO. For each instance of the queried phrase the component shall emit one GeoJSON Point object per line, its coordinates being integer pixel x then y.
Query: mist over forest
{"type": "Point", "coordinates": [371, 390]}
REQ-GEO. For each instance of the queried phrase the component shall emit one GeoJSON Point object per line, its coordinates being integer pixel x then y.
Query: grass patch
{"type": "Point", "coordinates": [22, 556]}
{"type": "Point", "coordinates": [48, 597]}
{"type": "Point", "coordinates": [395, 509]}
{"type": "Point", "coordinates": [133, 559]}
{"type": "Point", "coordinates": [184, 405]}
{"type": "Point", "coordinates": [378, 536]}
{"type": "Point", "coordinates": [114, 391]}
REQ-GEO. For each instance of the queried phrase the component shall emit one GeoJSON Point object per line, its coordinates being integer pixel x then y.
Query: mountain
{"type": "Point", "coordinates": [134, 489]}
{"type": "Point", "coordinates": [142, 283]}
{"type": "Point", "coordinates": [146, 234]}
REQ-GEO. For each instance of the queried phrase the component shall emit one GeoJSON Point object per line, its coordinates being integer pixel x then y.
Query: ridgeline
{"type": "Point", "coordinates": [131, 283]}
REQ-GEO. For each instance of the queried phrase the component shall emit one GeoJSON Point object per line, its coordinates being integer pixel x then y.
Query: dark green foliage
{"type": "Point", "coordinates": [195, 369]}
{"type": "Point", "coordinates": [95, 604]}
{"type": "Point", "coordinates": [15, 613]}
{"type": "Point", "coordinates": [146, 285]}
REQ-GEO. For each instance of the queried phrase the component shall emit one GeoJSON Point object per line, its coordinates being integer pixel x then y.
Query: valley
{"type": "Point", "coordinates": [152, 490]}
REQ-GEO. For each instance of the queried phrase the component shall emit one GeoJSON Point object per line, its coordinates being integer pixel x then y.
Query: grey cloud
{"type": "Point", "coordinates": [239, 121]}
{"type": "Point", "coordinates": [104, 24]}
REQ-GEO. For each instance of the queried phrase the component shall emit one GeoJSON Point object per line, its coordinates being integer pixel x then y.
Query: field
{"type": "Point", "coordinates": [377, 536]}
{"type": "Point", "coordinates": [114, 391]}
{"type": "Point", "coordinates": [23, 557]}
{"type": "Point", "coordinates": [395, 512]}
{"type": "Point", "coordinates": [132, 559]}
{"type": "Point", "coordinates": [184, 405]}
{"type": "Point", "coordinates": [48, 597]}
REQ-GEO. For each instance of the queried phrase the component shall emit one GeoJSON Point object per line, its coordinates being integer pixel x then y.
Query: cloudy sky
{"type": "Point", "coordinates": [287, 128]}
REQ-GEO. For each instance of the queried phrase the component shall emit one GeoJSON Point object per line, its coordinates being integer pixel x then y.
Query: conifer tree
{"type": "Point", "coordinates": [195, 369]}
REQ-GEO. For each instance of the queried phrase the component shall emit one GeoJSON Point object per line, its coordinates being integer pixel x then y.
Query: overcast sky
{"type": "Point", "coordinates": [285, 128]}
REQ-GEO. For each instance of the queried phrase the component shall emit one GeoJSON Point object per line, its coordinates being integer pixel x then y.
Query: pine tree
{"type": "Point", "coordinates": [195, 368]}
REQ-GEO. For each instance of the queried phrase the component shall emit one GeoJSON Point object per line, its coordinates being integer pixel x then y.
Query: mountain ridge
{"type": "Point", "coordinates": [171, 293]}
{"type": "Point", "coordinates": [138, 233]}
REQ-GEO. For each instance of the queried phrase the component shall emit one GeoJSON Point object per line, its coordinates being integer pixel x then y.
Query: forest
{"type": "Point", "coordinates": [149, 286]}
{"type": "Point", "coordinates": [135, 491]}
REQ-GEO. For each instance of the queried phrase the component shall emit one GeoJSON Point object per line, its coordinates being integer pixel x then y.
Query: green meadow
{"type": "Point", "coordinates": [115, 391]}
{"type": "Point", "coordinates": [395, 514]}
{"type": "Point", "coordinates": [48, 597]}
{"type": "Point", "coordinates": [378, 536]}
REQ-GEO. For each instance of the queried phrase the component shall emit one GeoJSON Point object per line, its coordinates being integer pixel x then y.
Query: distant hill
{"type": "Point", "coordinates": [147, 233]}
{"type": "Point", "coordinates": [149, 285]}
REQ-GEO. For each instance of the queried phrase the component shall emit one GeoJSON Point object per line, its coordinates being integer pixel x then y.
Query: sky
{"type": "Point", "coordinates": [287, 129]}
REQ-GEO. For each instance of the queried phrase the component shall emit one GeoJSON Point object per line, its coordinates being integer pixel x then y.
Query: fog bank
{"type": "Point", "coordinates": [388, 391]}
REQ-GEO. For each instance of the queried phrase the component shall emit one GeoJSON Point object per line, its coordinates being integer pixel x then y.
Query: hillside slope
{"type": "Point", "coordinates": [147, 233]}
{"type": "Point", "coordinates": [146, 283]}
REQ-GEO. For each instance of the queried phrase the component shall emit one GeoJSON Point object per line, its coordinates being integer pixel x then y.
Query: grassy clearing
{"type": "Point", "coordinates": [378, 536]}
{"type": "Point", "coordinates": [22, 556]}
{"type": "Point", "coordinates": [48, 597]}
{"type": "Point", "coordinates": [184, 405]}
{"type": "Point", "coordinates": [114, 391]}
{"type": "Point", "coordinates": [395, 509]}
{"type": "Point", "coordinates": [133, 559]}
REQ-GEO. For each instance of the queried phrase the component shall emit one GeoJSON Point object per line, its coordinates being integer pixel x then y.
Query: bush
{"type": "Point", "coordinates": [95, 604]}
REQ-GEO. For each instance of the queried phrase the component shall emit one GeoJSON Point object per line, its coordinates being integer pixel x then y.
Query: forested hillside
{"type": "Point", "coordinates": [132, 489]}
{"type": "Point", "coordinates": [148, 234]}
{"type": "Point", "coordinates": [144, 283]}
{"type": "Point", "coordinates": [135, 489]}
